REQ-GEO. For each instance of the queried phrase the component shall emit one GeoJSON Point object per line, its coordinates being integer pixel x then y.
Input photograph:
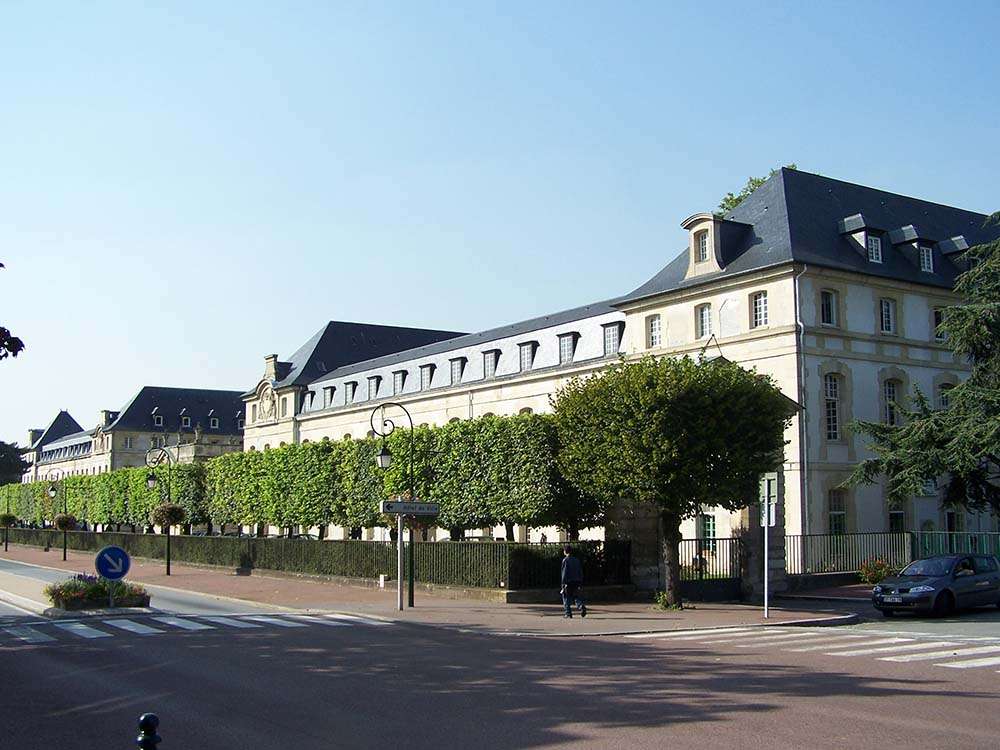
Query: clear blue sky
{"type": "Point", "coordinates": [186, 188]}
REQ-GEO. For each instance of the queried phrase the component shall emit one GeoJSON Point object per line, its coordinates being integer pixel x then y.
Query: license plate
{"type": "Point", "coordinates": [892, 599]}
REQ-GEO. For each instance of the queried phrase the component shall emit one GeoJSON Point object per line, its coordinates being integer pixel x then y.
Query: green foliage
{"type": "Point", "coordinates": [874, 570]}
{"type": "Point", "coordinates": [7, 519]}
{"type": "Point", "coordinates": [662, 601]}
{"type": "Point", "coordinates": [12, 463]}
{"type": "Point", "coordinates": [732, 200]}
{"type": "Point", "coordinates": [65, 522]}
{"type": "Point", "coordinates": [90, 591]}
{"type": "Point", "coordinates": [961, 442]}
{"type": "Point", "coordinates": [169, 514]}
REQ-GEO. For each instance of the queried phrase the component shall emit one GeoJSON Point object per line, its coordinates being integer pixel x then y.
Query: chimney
{"type": "Point", "coordinates": [33, 436]}
{"type": "Point", "coordinates": [271, 367]}
{"type": "Point", "coordinates": [107, 417]}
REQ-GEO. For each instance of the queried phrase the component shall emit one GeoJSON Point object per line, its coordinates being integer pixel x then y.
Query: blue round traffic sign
{"type": "Point", "coordinates": [112, 563]}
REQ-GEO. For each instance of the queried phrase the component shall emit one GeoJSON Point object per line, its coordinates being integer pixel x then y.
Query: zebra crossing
{"type": "Point", "coordinates": [154, 625]}
{"type": "Point", "coordinates": [951, 652]}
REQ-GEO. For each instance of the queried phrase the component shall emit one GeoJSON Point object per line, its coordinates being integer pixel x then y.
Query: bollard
{"type": "Point", "coordinates": [148, 739]}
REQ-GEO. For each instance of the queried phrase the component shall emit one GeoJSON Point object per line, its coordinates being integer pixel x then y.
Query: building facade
{"type": "Point", "coordinates": [193, 424]}
{"type": "Point", "coordinates": [833, 289]}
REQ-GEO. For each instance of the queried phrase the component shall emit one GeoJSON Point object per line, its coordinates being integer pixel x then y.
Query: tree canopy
{"type": "Point", "coordinates": [960, 442]}
{"type": "Point", "coordinates": [10, 345]}
{"type": "Point", "coordinates": [12, 463]}
{"type": "Point", "coordinates": [732, 200]}
{"type": "Point", "coordinates": [678, 434]}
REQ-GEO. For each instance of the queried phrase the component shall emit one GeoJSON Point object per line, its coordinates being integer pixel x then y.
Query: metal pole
{"type": "Point", "coordinates": [168, 549]}
{"type": "Point", "coordinates": [65, 512]}
{"type": "Point", "coordinates": [399, 562]}
{"type": "Point", "coordinates": [413, 499]}
{"type": "Point", "coordinates": [767, 523]}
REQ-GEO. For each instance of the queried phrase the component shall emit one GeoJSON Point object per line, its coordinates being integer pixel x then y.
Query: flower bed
{"type": "Point", "coordinates": [86, 591]}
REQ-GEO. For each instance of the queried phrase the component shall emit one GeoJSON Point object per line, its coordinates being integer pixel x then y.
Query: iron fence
{"type": "Point", "coordinates": [844, 553]}
{"type": "Point", "coordinates": [710, 558]}
{"type": "Point", "coordinates": [928, 543]}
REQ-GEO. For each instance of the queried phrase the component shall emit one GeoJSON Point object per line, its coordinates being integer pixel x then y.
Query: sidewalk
{"type": "Point", "coordinates": [526, 619]}
{"type": "Point", "coordinates": [854, 592]}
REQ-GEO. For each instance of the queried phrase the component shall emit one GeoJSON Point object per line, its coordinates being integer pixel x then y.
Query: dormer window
{"type": "Point", "coordinates": [567, 348]}
{"type": "Point", "coordinates": [373, 383]}
{"type": "Point", "coordinates": [457, 369]}
{"type": "Point", "coordinates": [185, 421]}
{"type": "Point", "coordinates": [426, 376]}
{"type": "Point", "coordinates": [350, 391]}
{"type": "Point", "coordinates": [526, 355]}
{"type": "Point", "coordinates": [213, 423]}
{"type": "Point", "coordinates": [398, 382]}
{"type": "Point", "coordinates": [874, 249]}
{"type": "Point", "coordinates": [926, 259]}
{"type": "Point", "coordinates": [157, 420]}
{"type": "Point", "coordinates": [701, 246]}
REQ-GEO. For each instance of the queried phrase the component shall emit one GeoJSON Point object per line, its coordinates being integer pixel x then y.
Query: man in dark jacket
{"type": "Point", "coordinates": [572, 581]}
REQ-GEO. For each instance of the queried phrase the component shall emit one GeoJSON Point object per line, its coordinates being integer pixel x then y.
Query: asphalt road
{"type": "Point", "coordinates": [168, 600]}
{"type": "Point", "coordinates": [396, 685]}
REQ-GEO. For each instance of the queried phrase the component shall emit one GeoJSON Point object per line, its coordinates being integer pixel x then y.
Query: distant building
{"type": "Point", "coordinates": [194, 424]}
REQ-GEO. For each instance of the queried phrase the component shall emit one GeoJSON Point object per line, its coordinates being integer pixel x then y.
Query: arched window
{"type": "Point", "coordinates": [831, 406]}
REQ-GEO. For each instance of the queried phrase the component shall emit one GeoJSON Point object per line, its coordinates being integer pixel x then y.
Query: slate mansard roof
{"type": "Point", "coordinates": [799, 217]}
{"type": "Point", "coordinates": [172, 404]}
{"type": "Point", "coordinates": [60, 427]}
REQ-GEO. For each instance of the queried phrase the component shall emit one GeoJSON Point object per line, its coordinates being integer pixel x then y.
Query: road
{"type": "Point", "coordinates": [168, 600]}
{"type": "Point", "coordinates": [282, 682]}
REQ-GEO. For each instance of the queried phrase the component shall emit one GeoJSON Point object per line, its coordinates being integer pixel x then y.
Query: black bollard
{"type": "Point", "coordinates": [148, 739]}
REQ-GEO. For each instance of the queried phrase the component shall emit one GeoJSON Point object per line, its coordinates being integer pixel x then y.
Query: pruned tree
{"type": "Point", "coordinates": [962, 441]}
{"type": "Point", "coordinates": [10, 345]}
{"type": "Point", "coordinates": [674, 433]}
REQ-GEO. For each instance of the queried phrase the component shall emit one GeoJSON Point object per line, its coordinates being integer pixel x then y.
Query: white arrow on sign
{"type": "Point", "coordinates": [115, 566]}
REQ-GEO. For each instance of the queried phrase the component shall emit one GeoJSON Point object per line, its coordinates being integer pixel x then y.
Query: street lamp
{"type": "Point", "coordinates": [53, 491]}
{"type": "Point", "coordinates": [154, 457]}
{"type": "Point", "coordinates": [384, 461]}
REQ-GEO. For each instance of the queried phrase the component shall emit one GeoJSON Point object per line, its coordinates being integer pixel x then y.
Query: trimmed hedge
{"type": "Point", "coordinates": [472, 564]}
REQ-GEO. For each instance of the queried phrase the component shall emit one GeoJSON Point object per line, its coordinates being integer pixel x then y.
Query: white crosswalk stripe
{"type": "Point", "coordinates": [180, 622]}
{"type": "Point", "coordinates": [958, 652]}
{"type": "Point", "coordinates": [133, 627]}
{"type": "Point", "coordinates": [82, 631]}
{"type": "Point", "coordinates": [835, 641]}
{"type": "Point", "coordinates": [229, 622]}
{"type": "Point", "coordinates": [686, 635]}
{"type": "Point", "coordinates": [990, 661]}
{"type": "Point", "coordinates": [887, 649]}
{"type": "Point", "coordinates": [275, 621]}
{"type": "Point", "coordinates": [29, 635]}
{"type": "Point", "coordinates": [781, 640]}
{"type": "Point", "coordinates": [357, 619]}
{"type": "Point", "coordinates": [321, 621]}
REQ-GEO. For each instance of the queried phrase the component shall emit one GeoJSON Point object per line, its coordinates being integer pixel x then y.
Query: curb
{"type": "Point", "coordinates": [21, 602]}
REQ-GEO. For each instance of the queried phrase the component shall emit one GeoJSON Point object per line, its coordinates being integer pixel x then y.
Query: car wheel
{"type": "Point", "coordinates": [944, 604]}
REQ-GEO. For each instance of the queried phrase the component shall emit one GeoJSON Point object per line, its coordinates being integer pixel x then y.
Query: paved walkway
{"type": "Point", "coordinates": [531, 619]}
{"type": "Point", "coordinates": [854, 592]}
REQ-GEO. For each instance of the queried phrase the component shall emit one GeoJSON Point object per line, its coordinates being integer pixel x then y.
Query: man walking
{"type": "Point", "coordinates": [572, 581]}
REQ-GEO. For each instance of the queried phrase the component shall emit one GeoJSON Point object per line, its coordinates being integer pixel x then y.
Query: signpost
{"type": "Point", "coordinates": [768, 504]}
{"type": "Point", "coordinates": [399, 509]}
{"type": "Point", "coordinates": [112, 564]}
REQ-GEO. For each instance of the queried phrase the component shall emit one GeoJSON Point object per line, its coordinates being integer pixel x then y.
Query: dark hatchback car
{"type": "Point", "coordinates": [940, 585]}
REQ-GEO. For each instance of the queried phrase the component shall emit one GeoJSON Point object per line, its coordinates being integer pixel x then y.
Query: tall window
{"type": "Point", "coordinates": [654, 331]}
{"type": "Point", "coordinates": [944, 395]}
{"type": "Point", "coordinates": [284, 406]}
{"type": "Point", "coordinates": [213, 423]}
{"type": "Point", "coordinates": [926, 259]}
{"type": "Point", "coordinates": [703, 321]}
{"type": "Point", "coordinates": [897, 521]}
{"type": "Point", "coordinates": [328, 392]}
{"type": "Point", "coordinates": [350, 392]}
{"type": "Point", "coordinates": [128, 442]}
{"type": "Point", "coordinates": [706, 530]}
{"type": "Point", "coordinates": [526, 355]}
{"type": "Point", "coordinates": [490, 360]}
{"type": "Point", "coordinates": [828, 307]}
{"type": "Point", "coordinates": [831, 412]}
{"type": "Point", "coordinates": [701, 246]}
{"type": "Point", "coordinates": [758, 309]}
{"type": "Point", "coordinates": [939, 335]}
{"type": "Point", "coordinates": [186, 421]}
{"type": "Point", "coordinates": [887, 315]}
{"type": "Point", "coordinates": [398, 382]}
{"type": "Point", "coordinates": [890, 392]}
{"type": "Point", "coordinates": [457, 368]}
{"type": "Point", "coordinates": [612, 339]}
{"type": "Point", "coordinates": [426, 375]}
{"type": "Point", "coordinates": [874, 249]}
{"type": "Point", "coordinates": [567, 343]}
{"type": "Point", "coordinates": [837, 511]}
{"type": "Point", "coordinates": [157, 420]}
{"type": "Point", "coordinates": [373, 384]}
{"type": "Point", "coordinates": [253, 413]}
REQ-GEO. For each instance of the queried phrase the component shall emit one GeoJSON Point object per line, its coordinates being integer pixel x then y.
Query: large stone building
{"type": "Point", "coordinates": [193, 424]}
{"type": "Point", "coordinates": [832, 288]}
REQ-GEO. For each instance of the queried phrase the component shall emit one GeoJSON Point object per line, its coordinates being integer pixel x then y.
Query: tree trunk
{"type": "Point", "coordinates": [509, 529]}
{"type": "Point", "coordinates": [573, 531]}
{"type": "Point", "coordinates": [208, 528]}
{"type": "Point", "coordinates": [456, 534]}
{"type": "Point", "coordinates": [670, 537]}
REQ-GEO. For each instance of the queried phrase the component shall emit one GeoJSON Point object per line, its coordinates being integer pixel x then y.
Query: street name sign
{"type": "Point", "coordinates": [112, 563]}
{"type": "Point", "coordinates": [399, 508]}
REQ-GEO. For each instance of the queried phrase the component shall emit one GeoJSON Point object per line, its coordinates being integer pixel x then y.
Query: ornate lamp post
{"type": "Point", "coordinates": [53, 491]}
{"type": "Point", "coordinates": [384, 461]}
{"type": "Point", "coordinates": [155, 457]}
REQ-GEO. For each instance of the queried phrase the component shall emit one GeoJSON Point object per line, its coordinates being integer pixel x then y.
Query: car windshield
{"type": "Point", "coordinates": [934, 567]}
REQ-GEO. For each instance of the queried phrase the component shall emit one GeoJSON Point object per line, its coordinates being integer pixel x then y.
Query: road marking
{"type": "Point", "coordinates": [969, 663]}
{"type": "Point", "coordinates": [82, 631]}
{"type": "Point", "coordinates": [230, 622]}
{"type": "Point", "coordinates": [943, 654]}
{"type": "Point", "coordinates": [275, 621]}
{"type": "Point", "coordinates": [29, 635]}
{"type": "Point", "coordinates": [354, 618]}
{"type": "Point", "coordinates": [133, 627]}
{"type": "Point", "coordinates": [321, 621]}
{"type": "Point", "coordinates": [780, 640]}
{"type": "Point", "coordinates": [684, 635]}
{"type": "Point", "coordinates": [885, 649]}
{"type": "Point", "coordinates": [832, 642]}
{"type": "Point", "coordinates": [179, 622]}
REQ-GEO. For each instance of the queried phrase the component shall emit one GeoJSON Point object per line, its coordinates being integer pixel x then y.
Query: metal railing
{"type": "Point", "coordinates": [928, 543]}
{"type": "Point", "coordinates": [710, 559]}
{"type": "Point", "coordinates": [844, 553]}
